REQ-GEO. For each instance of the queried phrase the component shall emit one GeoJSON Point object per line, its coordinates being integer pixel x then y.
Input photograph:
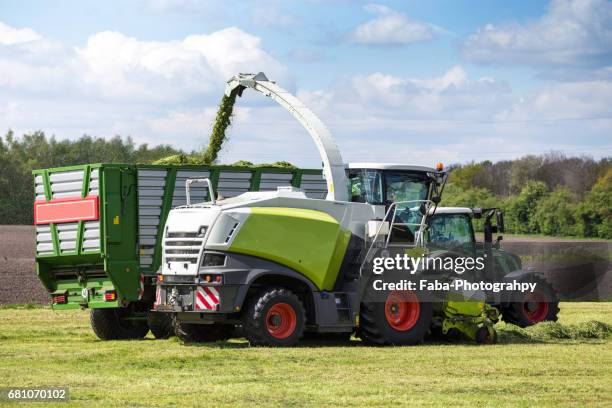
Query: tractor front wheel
{"type": "Point", "coordinates": [274, 317]}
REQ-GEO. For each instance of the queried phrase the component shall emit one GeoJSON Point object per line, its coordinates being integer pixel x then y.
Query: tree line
{"type": "Point", "coordinates": [549, 194]}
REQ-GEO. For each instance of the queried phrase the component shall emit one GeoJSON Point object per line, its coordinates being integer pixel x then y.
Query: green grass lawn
{"type": "Point", "coordinates": [39, 347]}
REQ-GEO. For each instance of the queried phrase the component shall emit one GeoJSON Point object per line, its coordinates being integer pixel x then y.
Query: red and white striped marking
{"type": "Point", "coordinates": [141, 288]}
{"type": "Point", "coordinates": [207, 298]}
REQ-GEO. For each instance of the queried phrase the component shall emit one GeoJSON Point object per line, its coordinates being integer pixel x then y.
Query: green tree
{"type": "Point", "coordinates": [465, 176]}
{"type": "Point", "coordinates": [554, 213]}
{"type": "Point", "coordinates": [594, 214]}
{"type": "Point", "coordinates": [525, 205]}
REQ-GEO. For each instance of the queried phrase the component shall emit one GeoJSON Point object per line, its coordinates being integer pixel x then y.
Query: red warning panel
{"type": "Point", "coordinates": [66, 210]}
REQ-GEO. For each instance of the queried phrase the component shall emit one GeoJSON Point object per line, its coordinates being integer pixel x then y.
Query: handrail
{"type": "Point", "coordinates": [190, 181]}
{"type": "Point", "coordinates": [418, 241]}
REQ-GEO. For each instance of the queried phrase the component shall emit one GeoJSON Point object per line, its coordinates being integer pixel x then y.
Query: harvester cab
{"type": "Point", "coordinates": [279, 263]}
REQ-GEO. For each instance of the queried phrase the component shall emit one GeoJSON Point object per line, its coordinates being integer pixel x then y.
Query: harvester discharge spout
{"type": "Point", "coordinates": [333, 166]}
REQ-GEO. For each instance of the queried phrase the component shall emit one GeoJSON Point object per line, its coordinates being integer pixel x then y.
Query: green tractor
{"type": "Point", "coordinates": [452, 229]}
{"type": "Point", "coordinates": [278, 264]}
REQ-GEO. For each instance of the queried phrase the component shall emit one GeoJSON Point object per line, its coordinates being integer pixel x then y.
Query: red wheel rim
{"type": "Point", "coordinates": [281, 320]}
{"type": "Point", "coordinates": [535, 307]}
{"type": "Point", "coordinates": [402, 309]}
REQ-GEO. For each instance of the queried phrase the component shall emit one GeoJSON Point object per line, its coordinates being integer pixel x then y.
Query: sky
{"type": "Point", "coordinates": [395, 81]}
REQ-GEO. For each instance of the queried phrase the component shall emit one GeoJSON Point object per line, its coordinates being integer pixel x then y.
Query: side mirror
{"type": "Point", "coordinates": [500, 221]}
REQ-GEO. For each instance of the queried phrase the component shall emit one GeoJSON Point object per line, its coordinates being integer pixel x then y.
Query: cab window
{"type": "Point", "coordinates": [403, 187]}
{"type": "Point", "coordinates": [365, 186]}
{"type": "Point", "coordinates": [450, 230]}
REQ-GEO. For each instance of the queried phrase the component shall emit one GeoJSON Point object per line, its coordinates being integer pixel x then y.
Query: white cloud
{"type": "Point", "coordinates": [116, 84]}
{"type": "Point", "coordinates": [453, 117]}
{"type": "Point", "coordinates": [390, 27]}
{"type": "Point", "coordinates": [451, 95]}
{"type": "Point", "coordinates": [574, 33]}
{"type": "Point", "coordinates": [10, 35]}
{"type": "Point", "coordinates": [125, 67]}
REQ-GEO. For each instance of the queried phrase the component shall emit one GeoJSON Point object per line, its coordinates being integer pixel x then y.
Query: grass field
{"type": "Point", "coordinates": [39, 347]}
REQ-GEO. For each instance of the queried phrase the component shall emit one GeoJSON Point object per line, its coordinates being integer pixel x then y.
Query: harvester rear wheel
{"type": "Point", "coordinates": [112, 324]}
{"type": "Point", "coordinates": [402, 319]}
{"type": "Point", "coordinates": [541, 305]}
{"type": "Point", "coordinates": [160, 324]}
{"type": "Point", "coordinates": [274, 317]}
{"type": "Point", "coordinates": [202, 333]}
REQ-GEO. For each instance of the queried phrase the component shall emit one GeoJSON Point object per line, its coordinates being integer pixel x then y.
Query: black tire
{"type": "Point", "coordinates": [274, 317]}
{"type": "Point", "coordinates": [483, 336]}
{"type": "Point", "coordinates": [202, 333]}
{"type": "Point", "coordinates": [160, 324]}
{"type": "Point", "coordinates": [111, 324]}
{"type": "Point", "coordinates": [522, 313]}
{"type": "Point", "coordinates": [376, 330]}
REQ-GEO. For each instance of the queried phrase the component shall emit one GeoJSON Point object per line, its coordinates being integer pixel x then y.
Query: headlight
{"type": "Point", "coordinates": [211, 259]}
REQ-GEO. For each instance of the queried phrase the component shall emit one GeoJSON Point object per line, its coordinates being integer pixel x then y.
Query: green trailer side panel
{"type": "Point", "coordinates": [120, 230]}
{"type": "Point", "coordinates": [308, 241]}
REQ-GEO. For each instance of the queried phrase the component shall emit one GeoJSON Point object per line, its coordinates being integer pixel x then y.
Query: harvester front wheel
{"type": "Point", "coordinates": [202, 333]}
{"type": "Point", "coordinates": [160, 324]}
{"type": "Point", "coordinates": [274, 317]}
{"type": "Point", "coordinates": [540, 305]}
{"type": "Point", "coordinates": [401, 319]}
{"type": "Point", "coordinates": [114, 324]}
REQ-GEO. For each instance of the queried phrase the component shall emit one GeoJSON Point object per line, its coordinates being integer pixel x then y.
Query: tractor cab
{"type": "Point", "coordinates": [409, 191]}
{"type": "Point", "coordinates": [452, 229]}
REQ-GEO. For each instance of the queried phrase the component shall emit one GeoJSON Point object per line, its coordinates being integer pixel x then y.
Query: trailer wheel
{"type": "Point", "coordinates": [402, 319]}
{"type": "Point", "coordinates": [541, 305]}
{"type": "Point", "coordinates": [160, 324]}
{"type": "Point", "coordinates": [111, 324]}
{"type": "Point", "coordinates": [274, 317]}
{"type": "Point", "coordinates": [202, 333]}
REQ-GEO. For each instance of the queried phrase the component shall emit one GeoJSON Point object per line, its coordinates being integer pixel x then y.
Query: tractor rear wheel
{"type": "Point", "coordinates": [540, 305]}
{"type": "Point", "coordinates": [202, 333]}
{"type": "Point", "coordinates": [401, 319]}
{"type": "Point", "coordinates": [160, 324]}
{"type": "Point", "coordinates": [274, 317]}
{"type": "Point", "coordinates": [114, 324]}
